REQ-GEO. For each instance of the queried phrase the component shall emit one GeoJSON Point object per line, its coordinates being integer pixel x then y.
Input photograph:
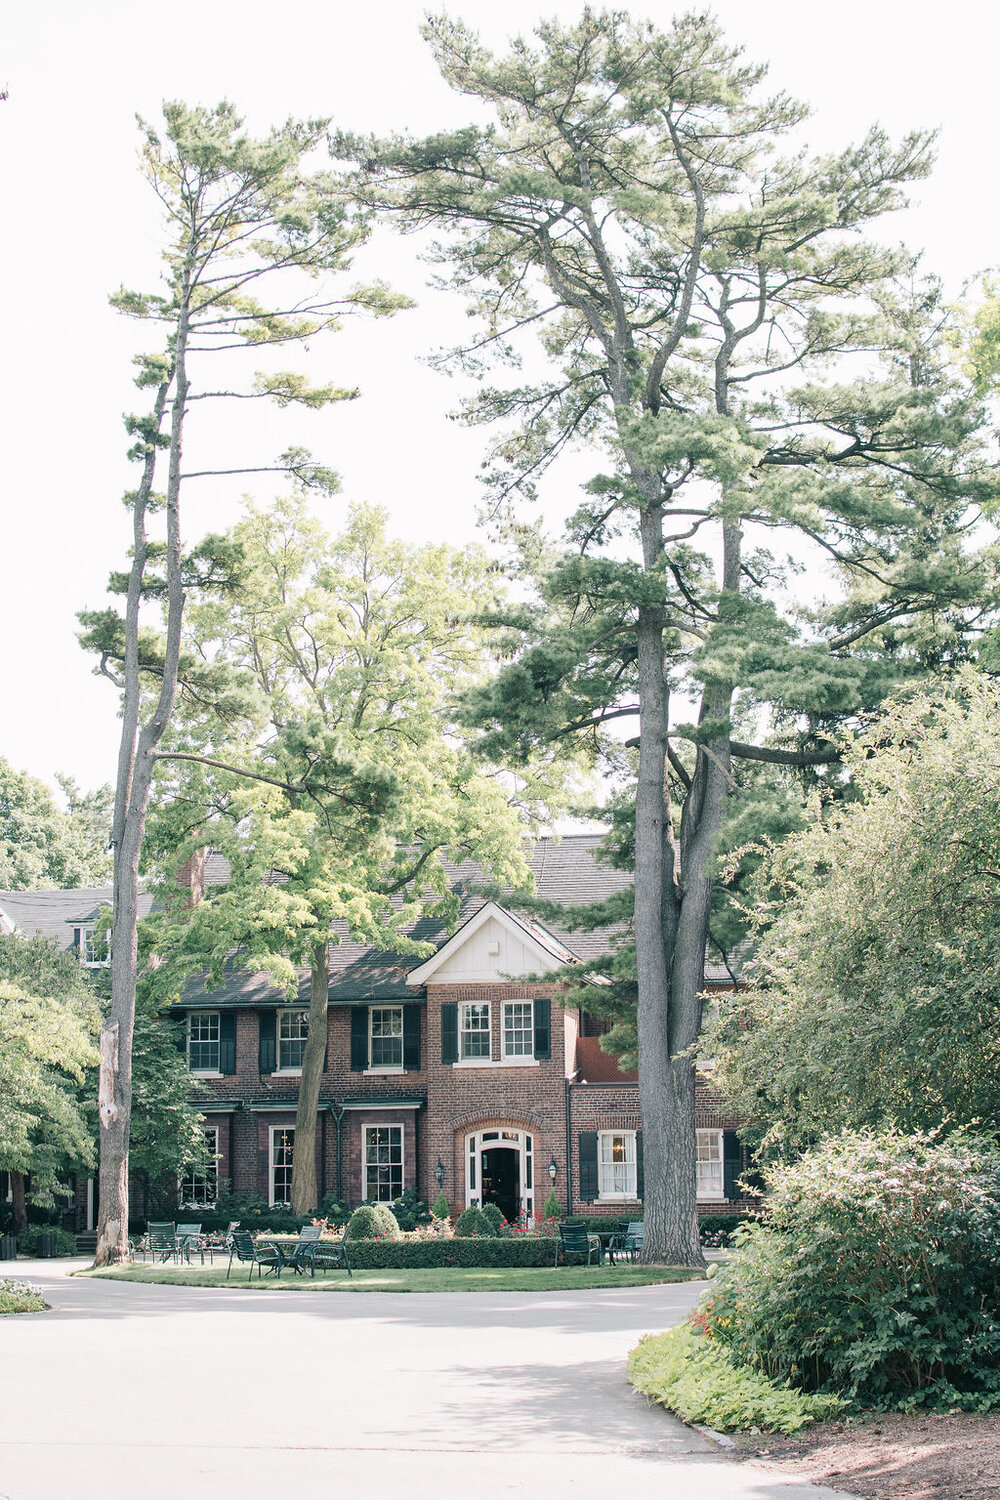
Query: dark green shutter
{"type": "Point", "coordinates": [267, 1053]}
{"type": "Point", "coordinates": [449, 1032]}
{"type": "Point", "coordinates": [359, 1038]}
{"type": "Point", "coordinates": [732, 1163]}
{"type": "Point", "coordinates": [179, 1033]}
{"type": "Point", "coordinates": [640, 1184]}
{"type": "Point", "coordinates": [227, 1042]}
{"type": "Point", "coordinates": [587, 1142]}
{"type": "Point", "coordinates": [543, 1028]}
{"type": "Point", "coordinates": [411, 1036]}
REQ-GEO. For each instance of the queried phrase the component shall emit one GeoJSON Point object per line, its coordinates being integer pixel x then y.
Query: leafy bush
{"type": "Point", "coordinates": [875, 1274]}
{"type": "Point", "coordinates": [332, 1210]}
{"type": "Point", "coordinates": [442, 1208]}
{"type": "Point", "coordinates": [27, 1241]}
{"type": "Point", "coordinates": [494, 1218]}
{"type": "Point", "coordinates": [472, 1221]}
{"type": "Point", "coordinates": [410, 1210]}
{"type": "Point", "coordinates": [715, 1231]}
{"type": "Point", "coordinates": [373, 1221]}
{"type": "Point", "coordinates": [553, 1208]}
{"type": "Point", "coordinates": [19, 1297]}
{"type": "Point", "coordinates": [697, 1378]}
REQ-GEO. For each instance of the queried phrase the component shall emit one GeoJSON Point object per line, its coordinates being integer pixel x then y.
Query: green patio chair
{"type": "Point", "coordinates": [303, 1252]}
{"type": "Point", "coordinates": [247, 1252]}
{"type": "Point", "coordinates": [575, 1240]}
{"type": "Point", "coordinates": [632, 1237]}
{"type": "Point", "coordinates": [162, 1241]}
{"type": "Point", "coordinates": [330, 1254]}
{"type": "Point", "coordinates": [190, 1237]}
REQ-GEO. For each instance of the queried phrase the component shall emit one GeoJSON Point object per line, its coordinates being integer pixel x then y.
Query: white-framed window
{"type": "Point", "coordinates": [200, 1185]}
{"type": "Point", "coordinates": [474, 1031]}
{"type": "Point", "coordinates": [385, 1024]}
{"type": "Point", "coordinates": [519, 1028]}
{"type": "Point", "coordinates": [93, 948]}
{"type": "Point", "coordinates": [282, 1148]}
{"type": "Point", "coordinates": [711, 1181]}
{"type": "Point", "coordinates": [203, 1041]}
{"type": "Point", "coordinates": [293, 1029]}
{"type": "Point", "coordinates": [383, 1163]}
{"type": "Point", "coordinates": [616, 1164]}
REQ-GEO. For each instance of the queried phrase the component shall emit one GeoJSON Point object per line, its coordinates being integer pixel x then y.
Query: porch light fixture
{"type": "Point", "coordinates": [553, 1169]}
{"type": "Point", "coordinates": [439, 1172]}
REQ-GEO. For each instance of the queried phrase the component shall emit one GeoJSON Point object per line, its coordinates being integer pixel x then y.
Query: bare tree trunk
{"type": "Point", "coordinates": [18, 1205]}
{"type": "Point", "coordinates": [305, 1192]}
{"type": "Point", "coordinates": [135, 776]}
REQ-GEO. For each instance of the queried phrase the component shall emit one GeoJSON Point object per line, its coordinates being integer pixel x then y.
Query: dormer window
{"type": "Point", "coordinates": [93, 948]}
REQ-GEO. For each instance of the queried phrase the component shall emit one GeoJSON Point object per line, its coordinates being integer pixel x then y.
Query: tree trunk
{"type": "Point", "coordinates": [18, 1205]}
{"type": "Point", "coordinates": [135, 777]}
{"type": "Point", "coordinates": [305, 1191]}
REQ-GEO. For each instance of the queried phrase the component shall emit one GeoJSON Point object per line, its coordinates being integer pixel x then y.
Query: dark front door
{"type": "Point", "coordinates": [501, 1175]}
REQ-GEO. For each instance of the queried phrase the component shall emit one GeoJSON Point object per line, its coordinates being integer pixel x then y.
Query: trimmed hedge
{"type": "Point", "coordinates": [411, 1255]}
{"type": "Point", "coordinates": [27, 1242]}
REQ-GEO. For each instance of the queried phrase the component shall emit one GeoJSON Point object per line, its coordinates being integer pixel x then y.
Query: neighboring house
{"type": "Point", "coordinates": [447, 1072]}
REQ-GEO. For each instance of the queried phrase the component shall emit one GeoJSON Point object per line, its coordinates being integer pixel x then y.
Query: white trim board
{"type": "Point", "coordinates": [492, 946]}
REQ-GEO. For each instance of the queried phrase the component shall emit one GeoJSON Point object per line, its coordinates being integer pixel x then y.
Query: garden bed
{"type": "Point", "coordinates": [919, 1455]}
{"type": "Point", "coordinates": [434, 1279]}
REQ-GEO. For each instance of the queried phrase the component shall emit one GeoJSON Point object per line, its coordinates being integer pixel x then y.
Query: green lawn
{"type": "Point", "coordinates": [434, 1279]}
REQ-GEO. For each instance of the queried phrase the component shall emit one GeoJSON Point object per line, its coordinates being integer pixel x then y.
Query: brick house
{"type": "Point", "coordinates": [448, 1072]}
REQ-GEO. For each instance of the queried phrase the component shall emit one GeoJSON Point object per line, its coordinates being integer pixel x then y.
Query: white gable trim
{"type": "Point", "coordinates": [549, 951]}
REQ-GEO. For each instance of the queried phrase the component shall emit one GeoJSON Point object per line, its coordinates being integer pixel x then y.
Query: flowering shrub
{"type": "Point", "coordinates": [874, 1275]}
{"type": "Point", "coordinates": [20, 1296]}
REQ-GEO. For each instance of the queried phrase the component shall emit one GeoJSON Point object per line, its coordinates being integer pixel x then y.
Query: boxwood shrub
{"type": "Point", "coordinates": [400, 1255]}
{"type": "Point", "coordinates": [874, 1275]}
{"type": "Point", "coordinates": [27, 1241]}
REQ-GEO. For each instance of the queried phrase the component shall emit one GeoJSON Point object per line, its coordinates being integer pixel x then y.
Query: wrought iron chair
{"type": "Point", "coordinates": [631, 1239]}
{"type": "Point", "coordinates": [243, 1248]}
{"type": "Point", "coordinates": [303, 1252]}
{"type": "Point", "coordinates": [190, 1237]}
{"type": "Point", "coordinates": [575, 1240]}
{"type": "Point", "coordinates": [330, 1254]}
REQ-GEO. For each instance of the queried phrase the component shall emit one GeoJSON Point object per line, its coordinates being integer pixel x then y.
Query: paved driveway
{"type": "Point", "coordinates": [154, 1392]}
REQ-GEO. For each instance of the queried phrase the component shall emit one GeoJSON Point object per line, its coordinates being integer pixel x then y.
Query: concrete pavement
{"type": "Point", "coordinates": [158, 1391]}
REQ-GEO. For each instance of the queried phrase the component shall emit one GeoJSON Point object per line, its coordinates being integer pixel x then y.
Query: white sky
{"type": "Point", "coordinates": [78, 221]}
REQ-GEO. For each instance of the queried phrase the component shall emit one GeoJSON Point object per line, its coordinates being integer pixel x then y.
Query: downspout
{"type": "Point", "coordinates": [338, 1116]}
{"type": "Point", "coordinates": [569, 1147]}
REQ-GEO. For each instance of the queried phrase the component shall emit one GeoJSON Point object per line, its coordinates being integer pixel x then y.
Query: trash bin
{"type": "Point", "coordinates": [8, 1247]}
{"type": "Point", "coordinates": [48, 1246]}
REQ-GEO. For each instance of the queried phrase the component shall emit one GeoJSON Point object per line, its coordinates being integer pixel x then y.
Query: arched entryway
{"type": "Point", "coordinates": [499, 1168]}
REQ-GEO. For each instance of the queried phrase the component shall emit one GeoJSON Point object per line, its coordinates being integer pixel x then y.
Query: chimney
{"type": "Point", "coordinates": [192, 874]}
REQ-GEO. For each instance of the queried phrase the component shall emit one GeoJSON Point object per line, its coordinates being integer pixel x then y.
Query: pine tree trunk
{"type": "Point", "coordinates": [18, 1205]}
{"type": "Point", "coordinates": [305, 1191]}
{"type": "Point", "coordinates": [135, 776]}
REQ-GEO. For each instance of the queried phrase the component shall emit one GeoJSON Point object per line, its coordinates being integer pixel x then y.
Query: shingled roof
{"type": "Point", "coordinates": [566, 871]}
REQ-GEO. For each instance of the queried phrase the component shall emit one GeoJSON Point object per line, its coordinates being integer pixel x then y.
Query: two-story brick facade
{"type": "Point", "coordinates": [450, 1072]}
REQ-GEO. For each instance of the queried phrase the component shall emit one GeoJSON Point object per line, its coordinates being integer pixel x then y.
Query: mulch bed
{"type": "Point", "coordinates": [919, 1455]}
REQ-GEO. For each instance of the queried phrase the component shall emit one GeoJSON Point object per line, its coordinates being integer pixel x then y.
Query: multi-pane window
{"type": "Point", "coordinates": [200, 1184]}
{"type": "Point", "coordinates": [94, 947]}
{"type": "Point", "coordinates": [616, 1164]}
{"type": "Point", "coordinates": [386, 1036]}
{"type": "Point", "coordinates": [383, 1162]}
{"type": "Point", "coordinates": [474, 1040]}
{"type": "Point", "coordinates": [282, 1148]}
{"type": "Point", "coordinates": [203, 1041]}
{"type": "Point", "coordinates": [293, 1028]}
{"type": "Point", "coordinates": [710, 1175]}
{"type": "Point", "coordinates": [519, 1029]}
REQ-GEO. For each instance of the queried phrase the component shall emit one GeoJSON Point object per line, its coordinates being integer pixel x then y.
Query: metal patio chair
{"type": "Point", "coordinates": [246, 1251]}
{"type": "Point", "coordinates": [575, 1240]}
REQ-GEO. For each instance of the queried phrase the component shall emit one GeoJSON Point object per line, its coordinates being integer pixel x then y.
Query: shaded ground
{"type": "Point", "coordinates": [216, 1393]}
{"type": "Point", "coordinates": [922, 1456]}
